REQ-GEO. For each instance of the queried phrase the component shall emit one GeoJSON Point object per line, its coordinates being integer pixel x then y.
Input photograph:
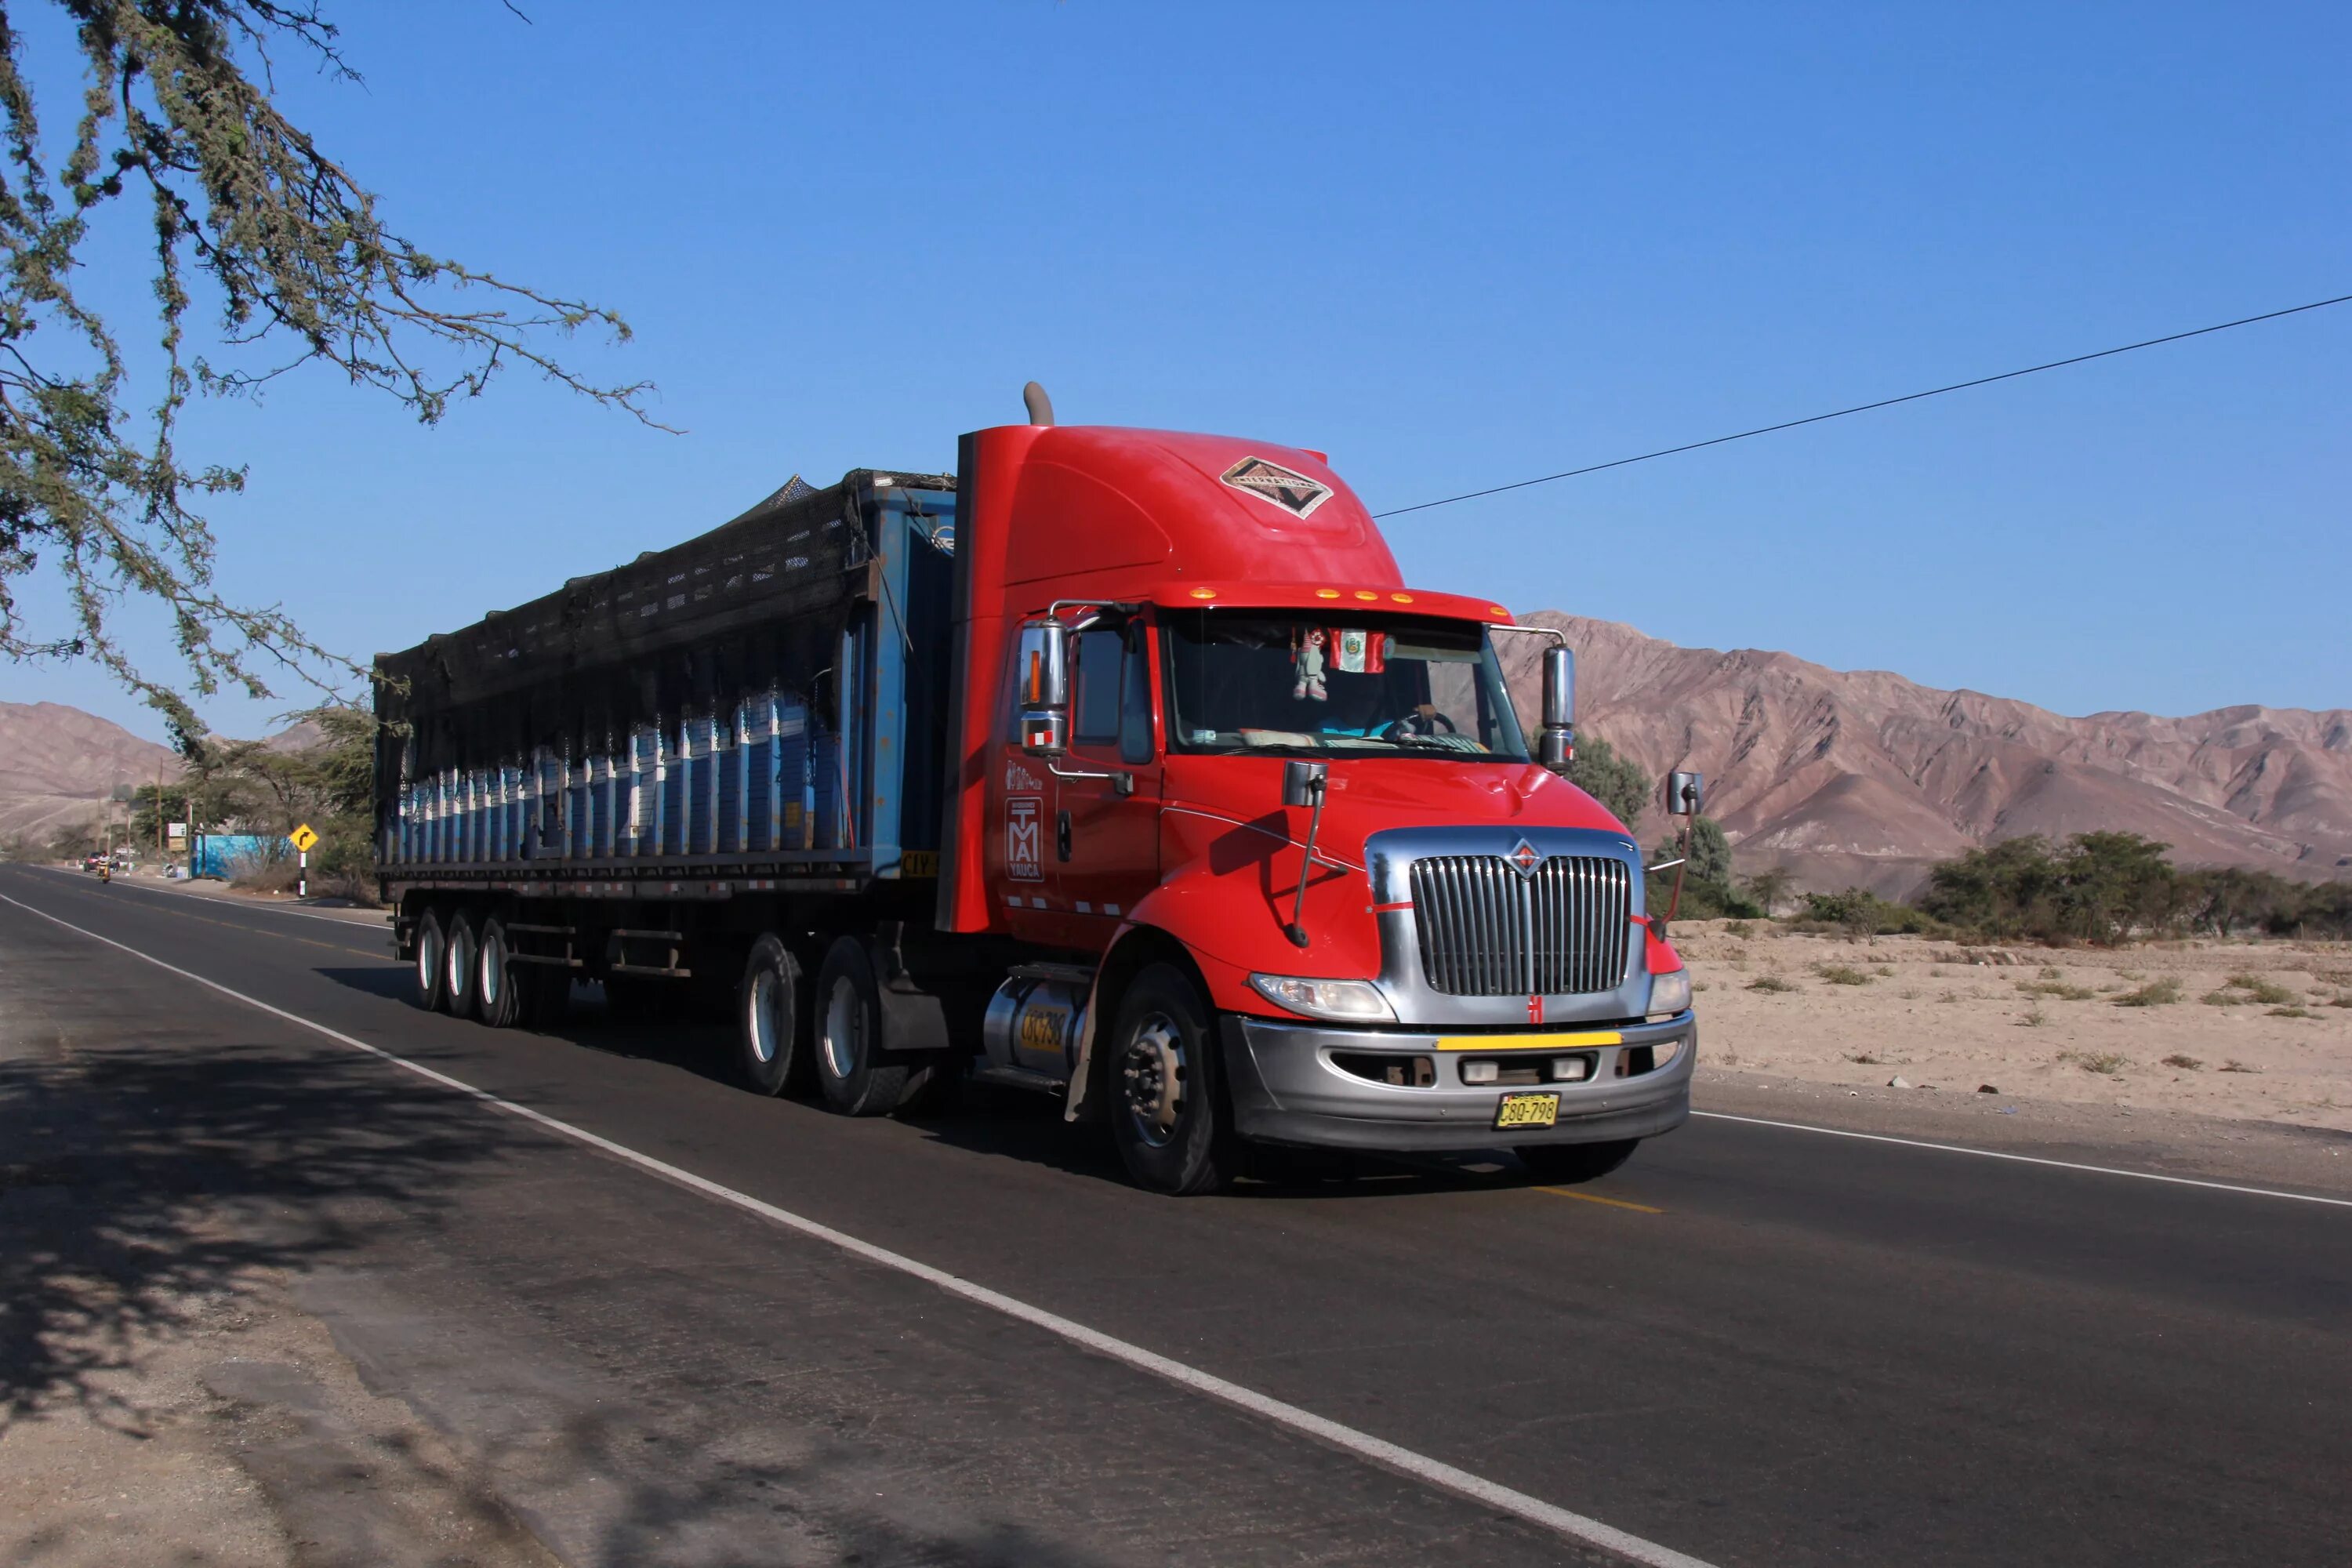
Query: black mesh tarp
{"type": "Point", "coordinates": [758, 603]}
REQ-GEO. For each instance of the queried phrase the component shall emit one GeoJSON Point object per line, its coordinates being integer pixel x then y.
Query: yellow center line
{"type": "Point", "coordinates": [1597, 1198]}
{"type": "Point", "coordinates": [280, 935]}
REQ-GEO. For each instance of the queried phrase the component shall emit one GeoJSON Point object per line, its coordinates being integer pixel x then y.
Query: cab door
{"type": "Point", "coordinates": [1017, 858]}
{"type": "Point", "coordinates": [1105, 836]}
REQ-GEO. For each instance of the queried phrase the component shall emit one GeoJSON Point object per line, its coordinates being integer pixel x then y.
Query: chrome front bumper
{"type": "Point", "coordinates": [1286, 1089]}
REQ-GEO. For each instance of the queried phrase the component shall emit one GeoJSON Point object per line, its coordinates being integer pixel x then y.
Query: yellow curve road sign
{"type": "Point", "coordinates": [303, 838]}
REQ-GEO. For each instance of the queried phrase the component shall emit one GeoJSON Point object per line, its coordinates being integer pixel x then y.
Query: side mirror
{"type": "Point", "coordinates": [1042, 678]}
{"type": "Point", "coordinates": [1557, 746]}
{"type": "Point", "coordinates": [1686, 793]}
{"type": "Point", "coordinates": [1302, 782]}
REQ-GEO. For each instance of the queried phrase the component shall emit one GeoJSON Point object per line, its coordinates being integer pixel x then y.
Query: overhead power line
{"type": "Point", "coordinates": [1866, 407]}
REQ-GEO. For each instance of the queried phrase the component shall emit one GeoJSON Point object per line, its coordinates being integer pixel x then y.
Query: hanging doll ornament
{"type": "Point", "coordinates": [1307, 657]}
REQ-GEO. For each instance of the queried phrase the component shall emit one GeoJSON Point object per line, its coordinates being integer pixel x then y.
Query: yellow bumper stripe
{"type": "Point", "coordinates": [1567, 1042]}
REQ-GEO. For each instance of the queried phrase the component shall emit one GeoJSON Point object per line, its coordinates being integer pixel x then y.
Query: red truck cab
{"type": "Point", "coordinates": [1183, 659]}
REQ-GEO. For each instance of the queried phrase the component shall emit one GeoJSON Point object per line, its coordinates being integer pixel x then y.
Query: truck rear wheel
{"type": "Point", "coordinates": [432, 963]}
{"type": "Point", "coordinates": [768, 1018]}
{"type": "Point", "coordinates": [850, 1069]}
{"type": "Point", "coordinates": [464, 983]}
{"type": "Point", "coordinates": [501, 993]}
{"type": "Point", "coordinates": [1167, 1115]}
{"type": "Point", "coordinates": [1570, 1163]}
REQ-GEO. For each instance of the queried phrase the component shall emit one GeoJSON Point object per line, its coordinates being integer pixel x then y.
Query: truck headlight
{"type": "Point", "coordinates": [1669, 994]}
{"type": "Point", "coordinates": [1346, 1000]}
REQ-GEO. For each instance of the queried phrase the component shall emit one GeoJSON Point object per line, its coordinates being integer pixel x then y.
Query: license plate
{"type": "Point", "coordinates": [1527, 1110]}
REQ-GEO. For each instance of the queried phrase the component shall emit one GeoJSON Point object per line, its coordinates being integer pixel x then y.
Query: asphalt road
{"type": "Point", "coordinates": [1750, 1346]}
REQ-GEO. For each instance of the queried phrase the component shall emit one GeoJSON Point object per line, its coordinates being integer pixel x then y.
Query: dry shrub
{"type": "Point", "coordinates": [2154, 994]}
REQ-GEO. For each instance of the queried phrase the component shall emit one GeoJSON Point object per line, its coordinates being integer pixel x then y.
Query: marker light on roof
{"type": "Point", "coordinates": [1401, 598]}
{"type": "Point", "coordinates": [1327, 593]}
{"type": "Point", "coordinates": [1204, 593]}
{"type": "Point", "coordinates": [1367, 595]}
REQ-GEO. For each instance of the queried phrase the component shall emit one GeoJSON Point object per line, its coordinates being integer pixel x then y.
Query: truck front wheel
{"type": "Point", "coordinates": [1570, 1163]}
{"type": "Point", "coordinates": [768, 1018]}
{"type": "Point", "coordinates": [1167, 1115]}
{"type": "Point", "coordinates": [850, 1069]}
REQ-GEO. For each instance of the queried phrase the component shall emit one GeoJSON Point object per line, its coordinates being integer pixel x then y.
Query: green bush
{"type": "Point", "coordinates": [2154, 994]}
{"type": "Point", "coordinates": [2109, 887]}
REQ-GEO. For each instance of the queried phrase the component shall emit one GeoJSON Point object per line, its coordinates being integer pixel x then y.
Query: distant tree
{"type": "Point", "coordinates": [1769, 886]}
{"type": "Point", "coordinates": [2113, 884]}
{"type": "Point", "coordinates": [243, 207]}
{"type": "Point", "coordinates": [2002, 889]}
{"type": "Point", "coordinates": [1617, 783]}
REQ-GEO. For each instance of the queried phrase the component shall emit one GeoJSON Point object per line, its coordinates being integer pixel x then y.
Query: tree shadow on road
{"type": "Point", "coordinates": [127, 1141]}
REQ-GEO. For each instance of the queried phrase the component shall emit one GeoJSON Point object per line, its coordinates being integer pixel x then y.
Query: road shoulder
{"type": "Point", "coordinates": [2162, 1142]}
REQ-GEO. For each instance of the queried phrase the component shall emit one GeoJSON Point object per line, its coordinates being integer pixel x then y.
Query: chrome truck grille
{"type": "Point", "coordinates": [1487, 930]}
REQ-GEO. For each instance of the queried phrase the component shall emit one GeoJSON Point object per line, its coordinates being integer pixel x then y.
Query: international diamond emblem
{"type": "Point", "coordinates": [1524, 860]}
{"type": "Point", "coordinates": [1291, 491]}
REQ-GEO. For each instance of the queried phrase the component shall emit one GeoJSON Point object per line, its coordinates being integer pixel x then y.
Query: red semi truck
{"type": "Point", "coordinates": [1121, 766]}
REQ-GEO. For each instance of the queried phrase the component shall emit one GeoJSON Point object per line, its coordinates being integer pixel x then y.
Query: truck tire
{"type": "Point", "coordinates": [432, 963]}
{"type": "Point", "coordinates": [1566, 1164]}
{"type": "Point", "coordinates": [501, 990]}
{"type": "Point", "coordinates": [850, 1069]}
{"type": "Point", "coordinates": [768, 1026]}
{"type": "Point", "coordinates": [1166, 1109]}
{"type": "Point", "coordinates": [464, 983]}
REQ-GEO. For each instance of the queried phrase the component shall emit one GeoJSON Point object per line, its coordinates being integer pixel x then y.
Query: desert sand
{"type": "Point", "coordinates": [2256, 1031]}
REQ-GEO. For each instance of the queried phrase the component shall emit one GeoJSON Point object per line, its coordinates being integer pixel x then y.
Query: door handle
{"type": "Point", "coordinates": [1062, 836]}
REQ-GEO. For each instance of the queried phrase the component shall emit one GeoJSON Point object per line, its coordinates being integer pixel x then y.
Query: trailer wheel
{"type": "Point", "coordinates": [501, 993]}
{"type": "Point", "coordinates": [850, 1066]}
{"type": "Point", "coordinates": [463, 985]}
{"type": "Point", "coordinates": [1570, 1163]}
{"type": "Point", "coordinates": [768, 1018]}
{"type": "Point", "coordinates": [1167, 1112]}
{"type": "Point", "coordinates": [432, 963]}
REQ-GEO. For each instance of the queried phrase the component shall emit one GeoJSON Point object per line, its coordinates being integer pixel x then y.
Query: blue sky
{"type": "Point", "coordinates": [1453, 246]}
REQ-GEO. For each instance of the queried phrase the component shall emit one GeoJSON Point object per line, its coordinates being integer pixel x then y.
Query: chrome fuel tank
{"type": "Point", "coordinates": [1033, 1022]}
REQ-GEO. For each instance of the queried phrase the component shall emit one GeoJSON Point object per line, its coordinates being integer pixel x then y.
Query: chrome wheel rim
{"type": "Point", "coordinates": [491, 980]}
{"type": "Point", "coordinates": [763, 1018]}
{"type": "Point", "coordinates": [1151, 1081]}
{"type": "Point", "coordinates": [845, 1028]}
{"type": "Point", "coordinates": [428, 959]}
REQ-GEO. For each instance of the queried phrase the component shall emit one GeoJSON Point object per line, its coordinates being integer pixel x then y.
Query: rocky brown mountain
{"type": "Point", "coordinates": [59, 765]}
{"type": "Point", "coordinates": [1862, 777]}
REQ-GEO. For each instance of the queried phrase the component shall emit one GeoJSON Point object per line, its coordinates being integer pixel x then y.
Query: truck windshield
{"type": "Point", "coordinates": [1296, 684]}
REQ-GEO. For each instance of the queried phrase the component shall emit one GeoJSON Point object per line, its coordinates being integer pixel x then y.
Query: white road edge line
{"type": "Point", "coordinates": [2027, 1159]}
{"type": "Point", "coordinates": [1436, 1472]}
{"type": "Point", "coordinates": [366, 925]}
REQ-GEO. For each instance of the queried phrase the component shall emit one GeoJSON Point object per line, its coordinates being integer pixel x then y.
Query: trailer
{"type": "Point", "coordinates": [1119, 765]}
